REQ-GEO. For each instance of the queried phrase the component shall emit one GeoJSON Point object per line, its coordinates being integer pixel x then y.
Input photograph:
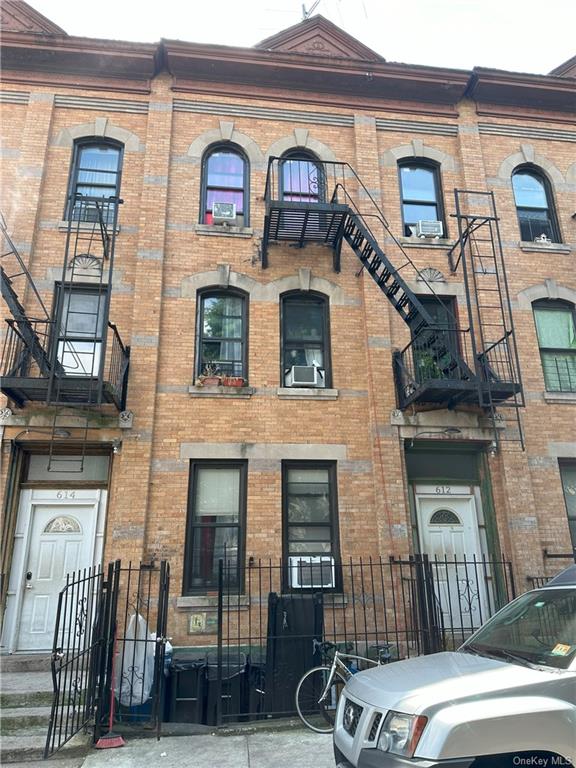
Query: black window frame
{"type": "Point", "coordinates": [61, 290]}
{"type": "Point", "coordinates": [560, 306]}
{"type": "Point", "coordinates": [569, 464]}
{"type": "Point", "coordinates": [307, 297]}
{"type": "Point", "coordinates": [79, 145]}
{"type": "Point", "coordinates": [428, 165]}
{"type": "Point", "coordinates": [196, 464]}
{"type": "Point", "coordinates": [215, 292]}
{"type": "Point", "coordinates": [334, 525]}
{"type": "Point", "coordinates": [234, 149]}
{"type": "Point", "coordinates": [539, 175]}
{"type": "Point", "coordinates": [452, 327]}
{"type": "Point", "coordinates": [303, 155]}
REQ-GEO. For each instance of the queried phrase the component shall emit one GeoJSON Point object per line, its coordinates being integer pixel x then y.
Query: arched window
{"type": "Point", "coordinates": [305, 340]}
{"type": "Point", "coordinates": [445, 517]}
{"type": "Point", "coordinates": [222, 333]}
{"type": "Point", "coordinates": [556, 329]}
{"type": "Point", "coordinates": [534, 205]}
{"type": "Point", "coordinates": [95, 173]}
{"type": "Point", "coordinates": [420, 191]}
{"type": "Point", "coordinates": [224, 180]}
{"type": "Point", "coordinates": [301, 178]}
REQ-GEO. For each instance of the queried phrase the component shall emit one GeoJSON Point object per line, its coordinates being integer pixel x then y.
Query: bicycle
{"type": "Point", "coordinates": [319, 689]}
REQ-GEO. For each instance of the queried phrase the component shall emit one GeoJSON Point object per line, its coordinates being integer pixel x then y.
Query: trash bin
{"type": "Point", "coordinates": [187, 689]}
{"type": "Point", "coordinates": [233, 686]}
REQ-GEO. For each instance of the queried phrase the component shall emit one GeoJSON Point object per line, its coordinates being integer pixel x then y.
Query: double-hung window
{"type": "Point", "coordinates": [568, 478]}
{"type": "Point", "coordinates": [216, 525]}
{"type": "Point", "coordinates": [225, 180]}
{"type": "Point", "coordinates": [222, 342]}
{"type": "Point", "coordinates": [534, 205]}
{"type": "Point", "coordinates": [80, 326]}
{"type": "Point", "coordinates": [310, 512]}
{"type": "Point", "coordinates": [305, 337]}
{"type": "Point", "coordinates": [556, 329]}
{"type": "Point", "coordinates": [420, 194]}
{"type": "Point", "coordinates": [432, 360]}
{"type": "Point", "coordinates": [95, 176]}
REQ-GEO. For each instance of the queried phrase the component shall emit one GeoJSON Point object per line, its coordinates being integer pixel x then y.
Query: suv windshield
{"type": "Point", "coordinates": [538, 627]}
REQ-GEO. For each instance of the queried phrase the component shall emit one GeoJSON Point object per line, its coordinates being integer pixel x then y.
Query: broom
{"type": "Point", "coordinates": [111, 740]}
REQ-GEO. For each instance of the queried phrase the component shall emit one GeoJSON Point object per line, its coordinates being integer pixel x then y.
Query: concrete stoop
{"type": "Point", "coordinates": [25, 702]}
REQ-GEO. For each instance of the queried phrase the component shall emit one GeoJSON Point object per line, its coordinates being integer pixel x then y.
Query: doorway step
{"type": "Point", "coordinates": [26, 704]}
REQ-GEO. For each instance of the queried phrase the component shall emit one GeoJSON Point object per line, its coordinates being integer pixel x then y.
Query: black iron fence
{"type": "Point", "coordinates": [109, 645]}
{"type": "Point", "coordinates": [267, 630]}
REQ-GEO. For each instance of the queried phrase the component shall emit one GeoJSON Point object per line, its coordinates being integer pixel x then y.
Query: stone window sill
{"type": "Point", "coordinates": [240, 392]}
{"type": "Point", "coordinates": [83, 226]}
{"type": "Point", "coordinates": [425, 242]}
{"type": "Point", "coordinates": [306, 393]}
{"type": "Point", "coordinates": [561, 398]}
{"type": "Point", "coordinates": [210, 602]}
{"type": "Point", "coordinates": [542, 248]}
{"type": "Point", "coordinates": [235, 602]}
{"type": "Point", "coordinates": [223, 230]}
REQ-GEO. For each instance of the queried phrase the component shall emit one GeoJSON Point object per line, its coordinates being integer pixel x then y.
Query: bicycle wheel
{"type": "Point", "coordinates": [319, 715]}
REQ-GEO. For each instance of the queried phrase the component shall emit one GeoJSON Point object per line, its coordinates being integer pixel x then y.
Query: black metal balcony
{"type": "Point", "coordinates": [436, 366]}
{"type": "Point", "coordinates": [29, 369]}
{"type": "Point", "coordinates": [302, 205]}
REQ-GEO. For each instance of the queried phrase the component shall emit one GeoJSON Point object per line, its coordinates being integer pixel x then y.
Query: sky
{"type": "Point", "coordinates": [516, 35]}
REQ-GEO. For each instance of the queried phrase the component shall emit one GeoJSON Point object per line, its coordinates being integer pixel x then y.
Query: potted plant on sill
{"type": "Point", "coordinates": [232, 381]}
{"type": "Point", "coordinates": [210, 376]}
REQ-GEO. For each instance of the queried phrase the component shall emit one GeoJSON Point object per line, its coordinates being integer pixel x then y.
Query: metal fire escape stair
{"type": "Point", "coordinates": [480, 255]}
{"type": "Point", "coordinates": [16, 268]}
{"type": "Point", "coordinates": [446, 364]}
{"type": "Point", "coordinates": [402, 298]}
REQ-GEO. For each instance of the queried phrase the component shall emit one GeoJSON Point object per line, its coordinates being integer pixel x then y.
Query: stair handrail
{"type": "Point", "coordinates": [382, 219]}
{"type": "Point", "coordinates": [14, 251]}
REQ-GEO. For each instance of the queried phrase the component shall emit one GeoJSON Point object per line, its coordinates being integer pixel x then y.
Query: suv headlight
{"type": "Point", "coordinates": [400, 733]}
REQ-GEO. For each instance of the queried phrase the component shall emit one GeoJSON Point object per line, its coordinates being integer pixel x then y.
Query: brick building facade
{"type": "Point", "coordinates": [359, 462]}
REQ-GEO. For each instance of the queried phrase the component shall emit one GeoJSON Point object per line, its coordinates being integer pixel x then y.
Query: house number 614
{"type": "Point", "coordinates": [66, 495]}
{"type": "Point", "coordinates": [442, 489]}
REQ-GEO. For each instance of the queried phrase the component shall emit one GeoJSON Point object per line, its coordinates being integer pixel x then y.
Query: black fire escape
{"type": "Point", "coordinates": [71, 356]}
{"type": "Point", "coordinates": [442, 364]}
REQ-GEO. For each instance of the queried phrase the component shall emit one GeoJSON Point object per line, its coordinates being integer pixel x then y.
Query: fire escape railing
{"type": "Point", "coordinates": [18, 362]}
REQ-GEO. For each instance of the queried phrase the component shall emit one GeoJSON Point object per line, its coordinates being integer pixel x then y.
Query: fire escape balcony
{"type": "Point", "coordinates": [301, 204]}
{"type": "Point", "coordinates": [437, 365]}
{"type": "Point", "coordinates": [88, 372]}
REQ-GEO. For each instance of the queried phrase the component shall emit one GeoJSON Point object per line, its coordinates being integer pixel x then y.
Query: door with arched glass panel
{"type": "Point", "coordinates": [449, 535]}
{"type": "Point", "coordinates": [62, 540]}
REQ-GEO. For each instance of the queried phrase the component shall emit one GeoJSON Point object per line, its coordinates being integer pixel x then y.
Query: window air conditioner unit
{"type": "Point", "coordinates": [429, 229]}
{"type": "Point", "coordinates": [305, 376]}
{"type": "Point", "coordinates": [308, 572]}
{"type": "Point", "coordinates": [224, 212]}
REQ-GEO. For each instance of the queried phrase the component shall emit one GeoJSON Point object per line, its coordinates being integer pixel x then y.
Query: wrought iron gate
{"type": "Point", "coordinates": [110, 635]}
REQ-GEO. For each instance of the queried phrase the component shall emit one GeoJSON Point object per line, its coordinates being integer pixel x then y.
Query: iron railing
{"type": "Point", "coordinates": [83, 618]}
{"type": "Point", "coordinates": [424, 359]}
{"type": "Point", "coordinates": [110, 636]}
{"type": "Point", "coordinates": [266, 631]}
{"type": "Point", "coordinates": [22, 351]}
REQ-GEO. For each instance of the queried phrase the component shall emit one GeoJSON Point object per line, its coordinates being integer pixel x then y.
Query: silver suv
{"type": "Point", "coordinates": [505, 699]}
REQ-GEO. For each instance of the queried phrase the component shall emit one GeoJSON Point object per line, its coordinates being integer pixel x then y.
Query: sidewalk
{"type": "Point", "coordinates": [269, 749]}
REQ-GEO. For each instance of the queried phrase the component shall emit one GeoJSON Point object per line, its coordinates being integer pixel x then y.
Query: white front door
{"type": "Point", "coordinates": [448, 528]}
{"type": "Point", "coordinates": [61, 540]}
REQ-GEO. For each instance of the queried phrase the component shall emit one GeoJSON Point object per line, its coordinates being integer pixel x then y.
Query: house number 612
{"type": "Point", "coordinates": [66, 495]}
{"type": "Point", "coordinates": [442, 489]}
